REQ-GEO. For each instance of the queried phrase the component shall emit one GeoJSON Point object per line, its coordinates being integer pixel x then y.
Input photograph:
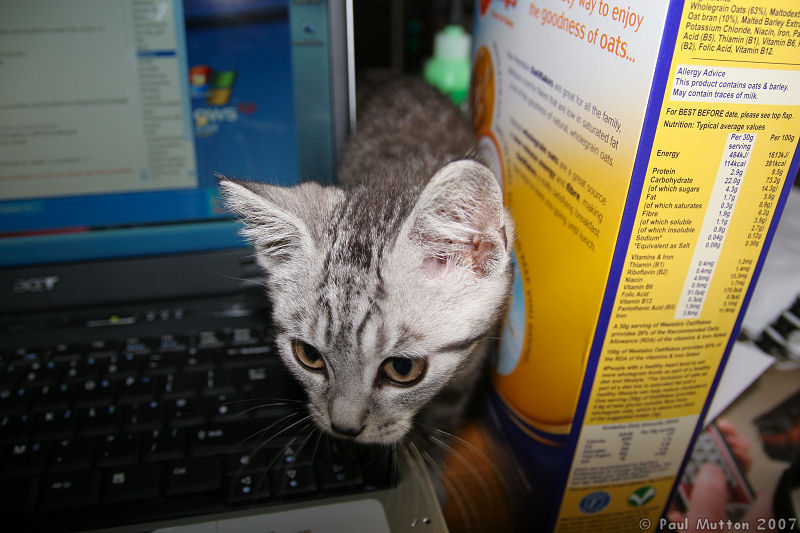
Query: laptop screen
{"type": "Point", "coordinates": [115, 117]}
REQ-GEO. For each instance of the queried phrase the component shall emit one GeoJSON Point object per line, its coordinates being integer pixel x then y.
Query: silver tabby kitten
{"type": "Point", "coordinates": [385, 293]}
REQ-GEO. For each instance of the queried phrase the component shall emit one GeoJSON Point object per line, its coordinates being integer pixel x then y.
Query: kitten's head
{"type": "Point", "coordinates": [380, 295]}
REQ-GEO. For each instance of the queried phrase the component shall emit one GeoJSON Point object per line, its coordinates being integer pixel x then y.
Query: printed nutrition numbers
{"type": "Point", "coordinates": [724, 194]}
{"type": "Point", "coordinates": [775, 167]}
{"type": "Point", "coordinates": [620, 453]}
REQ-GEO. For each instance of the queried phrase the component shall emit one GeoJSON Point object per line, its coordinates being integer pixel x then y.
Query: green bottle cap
{"type": "Point", "coordinates": [449, 68]}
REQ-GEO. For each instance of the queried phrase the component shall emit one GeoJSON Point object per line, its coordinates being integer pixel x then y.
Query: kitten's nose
{"type": "Point", "coordinates": [346, 431]}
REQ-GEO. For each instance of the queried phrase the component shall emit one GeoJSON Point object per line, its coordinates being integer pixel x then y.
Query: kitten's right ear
{"type": "Point", "coordinates": [459, 222]}
{"type": "Point", "coordinates": [272, 223]}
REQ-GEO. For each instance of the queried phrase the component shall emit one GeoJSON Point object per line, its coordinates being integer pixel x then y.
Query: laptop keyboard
{"type": "Point", "coordinates": [145, 428]}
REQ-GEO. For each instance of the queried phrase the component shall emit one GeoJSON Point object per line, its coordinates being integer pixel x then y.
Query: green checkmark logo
{"type": "Point", "coordinates": [641, 496]}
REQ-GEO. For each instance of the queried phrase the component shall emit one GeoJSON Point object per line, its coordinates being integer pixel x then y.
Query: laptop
{"type": "Point", "coordinates": [139, 386]}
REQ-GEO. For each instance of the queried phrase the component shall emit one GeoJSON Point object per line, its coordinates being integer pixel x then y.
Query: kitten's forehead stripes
{"type": "Point", "coordinates": [325, 307]}
{"type": "Point", "coordinates": [352, 279]}
{"type": "Point", "coordinates": [381, 338]}
{"type": "Point", "coordinates": [330, 235]}
{"type": "Point", "coordinates": [373, 308]}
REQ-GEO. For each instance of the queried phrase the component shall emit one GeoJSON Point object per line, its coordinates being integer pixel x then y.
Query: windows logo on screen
{"type": "Point", "coordinates": [213, 86]}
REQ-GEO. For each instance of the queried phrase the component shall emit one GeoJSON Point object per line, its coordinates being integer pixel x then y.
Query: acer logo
{"type": "Point", "coordinates": [34, 285]}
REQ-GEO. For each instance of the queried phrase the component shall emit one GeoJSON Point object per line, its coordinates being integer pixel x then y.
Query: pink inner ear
{"type": "Point", "coordinates": [479, 255]}
{"type": "Point", "coordinates": [474, 254]}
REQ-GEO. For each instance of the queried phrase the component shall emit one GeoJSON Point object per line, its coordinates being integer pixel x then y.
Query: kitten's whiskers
{"type": "Point", "coordinates": [464, 462]}
{"type": "Point", "coordinates": [496, 470]}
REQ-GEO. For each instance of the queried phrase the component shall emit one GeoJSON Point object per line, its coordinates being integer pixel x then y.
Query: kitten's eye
{"type": "Point", "coordinates": [403, 371]}
{"type": "Point", "coordinates": [308, 356]}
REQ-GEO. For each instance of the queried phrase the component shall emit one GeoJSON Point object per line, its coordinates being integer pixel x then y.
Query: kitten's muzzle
{"type": "Point", "coordinates": [345, 431]}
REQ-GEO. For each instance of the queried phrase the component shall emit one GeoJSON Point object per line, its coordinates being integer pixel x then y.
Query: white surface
{"type": "Point", "coordinates": [745, 364]}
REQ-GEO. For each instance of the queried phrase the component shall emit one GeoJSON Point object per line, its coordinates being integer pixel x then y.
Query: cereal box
{"type": "Point", "coordinates": [645, 151]}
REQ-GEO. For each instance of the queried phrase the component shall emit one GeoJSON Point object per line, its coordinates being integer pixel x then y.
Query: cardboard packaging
{"type": "Point", "coordinates": [646, 151]}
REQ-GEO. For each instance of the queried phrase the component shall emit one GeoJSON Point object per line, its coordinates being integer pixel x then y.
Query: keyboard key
{"type": "Point", "coordinates": [200, 363]}
{"type": "Point", "coordinates": [140, 482]}
{"type": "Point", "coordinates": [138, 345]}
{"type": "Point", "coordinates": [65, 352]}
{"type": "Point", "coordinates": [187, 412]}
{"type": "Point", "coordinates": [222, 439]}
{"type": "Point", "coordinates": [103, 347]}
{"type": "Point", "coordinates": [293, 454]}
{"type": "Point", "coordinates": [24, 355]}
{"type": "Point", "coordinates": [255, 378]}
{"type": "Point", "coordinates": [135, 390]}
{"type": "Point", "coordinates": [98, 421]}
{"type": "Point", "coordinates": [193, 475]}
{"type": "Point", "coordinates": [339, 475]}
{"type": "Point", "coordinates": [172, 343]}
{"type": "Point", "coordinates": [73, 454]}
{"type": "Point", "coordinates": [25, 459]}
{"type": "Point", "coordinates": [70, 489]}
{"type": "Point", "coordinates": [249, 461]}
{"type": "Point", "coordinates": [228, 408]}
{"type": "Point", "coordinates": [164, 445]}
{"type": "Point", "coordinates": [55, 425]}
{"type": "Point", "coordinates": [210, 340]}
{"type": "Point", "coordinates": [145, 416]}
{"type": "Point", "coordinates": [50, 397]}
{"type": "Point", "coordinates": [248, 487]}
{"type": "Point", "coordinates": [95, 392]}
{"type": "Point", "coordinates": [81, 370]}
{"type": "Point", "coordinates": [177, 385]}
{"type": "Point", "coordinates": [38, 373]}
{"type": "Point", "coordinates": [118, 368]}
{"type": "Point", "coordinates": [15, 429]}
{"type": "Point", "coordinates": [14, 400]}
{"type": "Point", "coordinates": [244, 336]}
{"type": "Point", "coordinates": [248, 356]}
{"type": "Point", "coordinates": [293, 481]}
{"type": "Point", "coordinates": [217, 382]}
{"type": "Point", "coordinates": [117, 450]}
{"type": "Point", "coordinates": [157, 364]}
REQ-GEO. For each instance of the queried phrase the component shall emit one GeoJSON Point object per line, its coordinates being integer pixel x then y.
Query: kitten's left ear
{"type": "Point", "coordinates": [278, 221]}
{"type": "Point", "coordinates": [460, 221]}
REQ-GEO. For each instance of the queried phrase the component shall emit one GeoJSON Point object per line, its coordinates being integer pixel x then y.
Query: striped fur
{"type": "Point", "coordinates": [413, 262]}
